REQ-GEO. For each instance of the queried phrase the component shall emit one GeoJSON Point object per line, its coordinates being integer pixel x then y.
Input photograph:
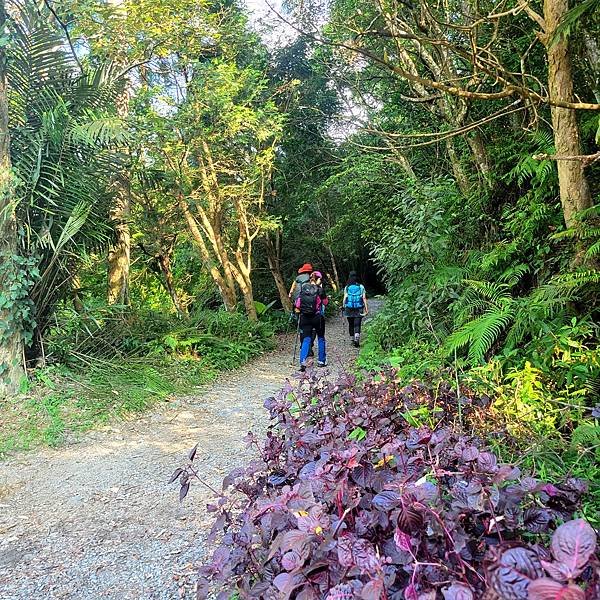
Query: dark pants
{"type": "Point", "coordinates": [307, 324]}
{"type": "Point", "coordinates": [354, 324]}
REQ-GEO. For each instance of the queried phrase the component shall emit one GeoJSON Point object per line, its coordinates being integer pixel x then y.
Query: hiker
{"type": "Point", "coordinates": [310, 306]}
{"type": "Point", "coordinates": [303, 276]}
{"type": "Point", "coordinates": [355, 306]}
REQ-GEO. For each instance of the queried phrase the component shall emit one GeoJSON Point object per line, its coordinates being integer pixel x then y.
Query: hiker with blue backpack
{"type": "Point", "coordinates": [355, 306]}
{"type": "Point", "coordinates": [310, 307]}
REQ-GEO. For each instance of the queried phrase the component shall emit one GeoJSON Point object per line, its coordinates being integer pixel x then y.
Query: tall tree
{"type": "Point", "coordinates": [453, 57]}
{"type": "Point", "coordinates": [575, 193]}
{"type": "Point", "coordinates": [11, 332]}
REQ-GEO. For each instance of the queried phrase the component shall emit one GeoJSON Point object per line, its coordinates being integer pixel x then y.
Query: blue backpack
{"type": "Point", "coordinates": [354, 295]}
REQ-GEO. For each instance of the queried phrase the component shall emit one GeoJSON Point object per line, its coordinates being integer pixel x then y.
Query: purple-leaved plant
{"type": "Point", "coordinates": [370, 490]}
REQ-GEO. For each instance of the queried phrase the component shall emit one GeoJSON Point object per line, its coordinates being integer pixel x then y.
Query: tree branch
{"type": "Point", "coordinates": [586, 159]}
{"type": "Point", "coordinates": [508, 91]}
{"type": "Point", "coordinates": [65, 29]}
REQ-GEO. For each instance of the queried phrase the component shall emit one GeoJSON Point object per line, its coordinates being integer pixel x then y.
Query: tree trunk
{"type": "Point", "coordinates": [119, 255]}
{"type": "Point", "coordinates": [592, 53]}
{"type": "Point", "coordinates": [247, 293]}
{"type": "Point", "coordinates": [336, 276]}
{"type": "Point", "coordinates": [11, 340]}
{"type": "Point", "coordinates": [574, 189]}
{"type": "Point", "coordinates": [75, 289]}
{"type": "Point", "coordinates": [241, 271]}
{"type": "Point", "coordinates": [400, 158]}
{"type": "Point", "coordinates": [274, 260]}
{"type": "Point", "coordinates": [459, 173]}
{"type": "Point", "coordinates": [226, 287]}
{"type": "Point", "coordinates": [164, 262]}
{"type": "Point", "coordinates": [481, 157]}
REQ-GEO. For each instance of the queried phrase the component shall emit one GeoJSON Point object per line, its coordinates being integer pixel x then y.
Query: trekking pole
{"type": "Point", "coordinates": [296, 341]}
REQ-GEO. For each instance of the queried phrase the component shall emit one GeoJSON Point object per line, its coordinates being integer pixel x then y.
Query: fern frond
{"type": "Point", "coordinates": [585, 436]}
{"type": "Point", "coordinates": [99, 131]}
{"type": "Point", "coordinates": [494, 292]}
{"type": "Point", "coordinates": [481, 333]}
{"type": "Point", "coordinates": [514, 274]}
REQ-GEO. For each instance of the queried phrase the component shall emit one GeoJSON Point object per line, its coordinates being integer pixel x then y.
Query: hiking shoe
{"type": "Point", "coordinates": [321, 364]}
{"type": "Point", "coordinates": [302, 368]}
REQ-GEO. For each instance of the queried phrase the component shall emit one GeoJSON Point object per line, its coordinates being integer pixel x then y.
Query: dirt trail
{"type": "Point", "coordinates": [96, 519]}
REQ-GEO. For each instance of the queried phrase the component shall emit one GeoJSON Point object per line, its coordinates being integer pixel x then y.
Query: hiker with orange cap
{"type": "Point", "coordinates": [303, 276]}
{"type": "Point", "coordinates": [310, 306]}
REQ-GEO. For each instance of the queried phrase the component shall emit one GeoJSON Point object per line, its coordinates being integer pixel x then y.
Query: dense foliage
{"type": "Point", "coordinates": [165, 166]}
{"type": "Point", "coordinates": [368, 489]}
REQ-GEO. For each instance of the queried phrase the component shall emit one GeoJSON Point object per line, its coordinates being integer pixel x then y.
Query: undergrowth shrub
{"type": "Point", "coordinates": [223, 339]}
{"type": "Point", "coordinates": [371, 490]}
{"type": "Point", "coordinates": [104, 364]}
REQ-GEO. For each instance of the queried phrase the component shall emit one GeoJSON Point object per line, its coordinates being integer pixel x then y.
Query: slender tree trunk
{"type": "Point", "coordinates": [459, 173]}
{"type": "Point", "coordinates": [245, 286]}
{"type": "Point", "coordinates": [226, 288]}
{"type": "Point", "coordinates": [274, 260]}
{"type": "Point", "coordinates": [575, 193]}
{"type": "Point", "coordinates": [241, 271]}
{"type": "Point", "coordinates": [119, 255]}
{"type": "Point", "coordinates": [400, 158]}
{"type": "Point", "coordinates": [480, 157]}
{"type": "Point", "coordinates": [336, 276]}
{"type": "Point", "coordinates": [164, 262]}
{"type": "Point", "coordinates": [11, 341]}
{"type": "Point", "coordinates": [592, 53]}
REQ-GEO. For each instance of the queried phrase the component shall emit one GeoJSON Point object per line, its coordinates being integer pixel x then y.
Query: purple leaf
{"type": "Point", "coordinates": [281, 581]}
{"type": "Point", "coordinates": [511, 575]}
{"type": "Point", "coordinates": [276, 480]}
{"type": "Point", "coordinates": [410, 593]}
{"type": "Point", "coordinates": [458, 591]}
{"type": "Point", "coordinates": [529, 484]}
{"type": "Point", "coordinates": [295, 540]}
{"type": "Point", "coordinates": [386, 500]}
{"type": "Point", "coordinates": [286, 583]}
{"type": "Point", "coordinates": [507, 473]}
{"type": "Point", "coordinates": [402, 540]}
{"type": "Point", "coordinates": [175, 475]}
{"type": "Point", "coordinates": [372, 590]}
{"type": "Point", "coordinates": [537, 520]}
{"type": "Point", "coordinates": [291, 560]}
{"type": "Point", "coordinates": [344, 551]}
{"type": "Point", "coordinates": [556, 570]}
{"type": "Point", "coordinates": [409, 519]}
{"type": "Point", "coordinates": [470, 454]}
{"type": "Point", "coordinates": [185, 488]}
{"type": "Point", "coordinates": [343, 591]}
{"type": "Point", "coordinates": [547, 589]}
{"type": "Point", "coordinates": [573, 543]}
{"type": "Point", "coordinates": [192, 453]}
{"type": "Point", "coordinates": [487, 462]}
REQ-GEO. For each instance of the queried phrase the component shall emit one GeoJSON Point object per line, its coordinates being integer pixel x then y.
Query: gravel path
{"type": "Point", "coordinates": [96, 519]}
